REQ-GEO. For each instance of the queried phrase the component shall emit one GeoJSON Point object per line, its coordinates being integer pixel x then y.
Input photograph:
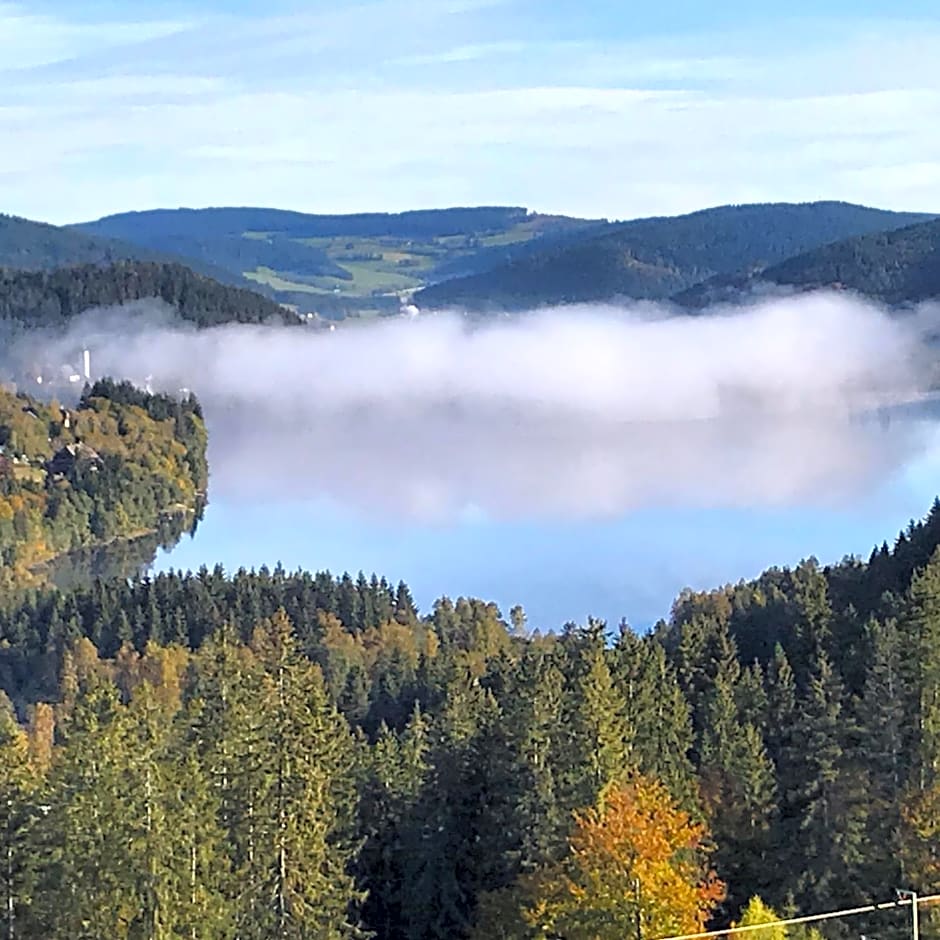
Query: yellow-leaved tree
{"type": "Point", "coordinates": [637, 866]}
{"type": "Point", "coordinates": [920, 839]}
{"type": "Point", "coordinates": [756, 912]}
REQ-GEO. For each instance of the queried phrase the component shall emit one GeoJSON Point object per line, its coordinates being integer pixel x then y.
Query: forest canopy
{"type": "Point", "coordinates": [355, 767]}
{"type": "Point", "coordinates": [109, 468]}
{"type": "Point", "coordinates": [49, 298]}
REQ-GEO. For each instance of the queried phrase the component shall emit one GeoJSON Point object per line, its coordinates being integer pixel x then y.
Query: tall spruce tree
{"type": "Point", "coordinates": [920, 634]}
{"type": "Point", "coordinates": [658, 714]}
{"type": "Point", "coordinates": [823, 809]}
{"type": "Point", "coordinates": [599, 746]}
{"type": "Point", "coordinates": [304, 817]}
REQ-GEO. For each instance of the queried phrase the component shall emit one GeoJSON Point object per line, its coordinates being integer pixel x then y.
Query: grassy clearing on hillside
{"type": "Point", "coordinates": [273, 280]}
{"type": "Point", "coordinates": [366, 280]}
{"type": "Point", "coordinates": [383, 265]}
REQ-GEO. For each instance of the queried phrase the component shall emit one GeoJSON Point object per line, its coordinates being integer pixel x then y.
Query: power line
{"type": "Point", "coordinates": [809, 918]}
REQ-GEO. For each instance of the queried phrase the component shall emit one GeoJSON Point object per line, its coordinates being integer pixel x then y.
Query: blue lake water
{"type": "Point", "coordinates": [628, 564]}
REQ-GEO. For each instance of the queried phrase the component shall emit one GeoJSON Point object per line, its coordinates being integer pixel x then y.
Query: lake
{"type": "Point", "coordinates": [579, 461]}
{"type": "Point", "coordinates": [561, 567]}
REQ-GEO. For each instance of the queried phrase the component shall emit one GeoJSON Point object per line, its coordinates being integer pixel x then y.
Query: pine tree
{"type": "Point", "coordinates": [532, 707]}
{"type": "Point", "coordinates": [86, 887]}
{"type": "Point", "coordinates": [781, 714]}
{"type": "Point", "coordinates": [305, 818]}
{"type": "Point", "coordinates": [599, 747]}
{"type": "Point", "coordinates": [658, 714]}
{"type": "Point", "coordinates": [20, 780]}
{"type": "Point", "coordinates": [880, 752]}
{"type": "Point", "coordinates": [453, 817]}
{"type": "Point", "coordinates": [920, 632]}
{"type": "Point", "coordinates": [228, 727]}
{"type": "Point", "coordinates": [397, 771]}
{"type": "Point", "coordinates": [823, 811]}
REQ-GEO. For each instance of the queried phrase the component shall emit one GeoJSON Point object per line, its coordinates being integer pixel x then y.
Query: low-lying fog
{"type": "Point", "coordinates": [549, 418]}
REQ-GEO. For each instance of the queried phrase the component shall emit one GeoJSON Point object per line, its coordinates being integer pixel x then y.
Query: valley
{"type": "Point", "coordinates": [716, 476]}
{"type": "Point", "coordinates": [469, 470]}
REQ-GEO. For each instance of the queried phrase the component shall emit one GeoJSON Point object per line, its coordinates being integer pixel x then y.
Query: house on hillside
{"type": "Point", "coordinates": [70, 456]}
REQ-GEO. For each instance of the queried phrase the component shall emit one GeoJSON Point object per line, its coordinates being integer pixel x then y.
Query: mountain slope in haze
{"type": "Point", "coordinates": [36, 246]}
{"type": "Point", "coordinates": [26, 245]}
{"type": "Point", "coordinates": [157, 224]}
{"type": "Point", "coordinates": [658, 257]}
{"type": "Point", "coordinates": [346, 262]}
{"type": "Point", "coordinates": [894, 267]}
{"type": "Point", "coordinates": [44, 298]}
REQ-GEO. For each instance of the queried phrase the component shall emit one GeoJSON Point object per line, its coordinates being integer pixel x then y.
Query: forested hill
{"type": "Point", "coordinates": [108, 469]}
{"type": "Point", "coordinates": [655, 258]}
{"type": "Point", "coordinates": [292, 253]}
{"type": "Point", "coordinates": [157, 226]}
{"type": "Point", "coordinates": [36, 246]}
{"type": "Point", "coordinates": [895, 267]}
{"type": "Point", "coordinates": [336, 264]}
{"type": "Point", "coordinates": [304, 755]}
{"type": "Point", "coordinates": [42, 298]}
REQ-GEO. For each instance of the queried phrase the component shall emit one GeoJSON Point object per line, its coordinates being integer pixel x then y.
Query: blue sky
{"type": "Point", "coordinates": [604, 109]}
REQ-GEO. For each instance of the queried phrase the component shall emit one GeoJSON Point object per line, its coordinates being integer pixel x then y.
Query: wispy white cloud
{"type": "Point", "coordinates": [29, 39]}
{"type": "Point", "coordinates": [393, 104]}
{"type": "Point", "coordinates": [470, 53]}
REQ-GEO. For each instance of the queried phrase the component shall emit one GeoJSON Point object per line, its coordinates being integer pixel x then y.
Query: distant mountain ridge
{"type": "Point", "coordinates": [26, 245]}
{"type": "Point", "coordinates": [343, 262]}
{"type": "Point", "coordinates": [490, 258]}
{"type": "Point", "coordinates": [895, 267]}
{"type": "Point", "coordinates": [233, 220]}
{"type": "Point", "coordinates": [658, 257]}
{"type": "Point", "coordinates": [48, 298]}
{"type": "Point", "coordinates": [36, 246]}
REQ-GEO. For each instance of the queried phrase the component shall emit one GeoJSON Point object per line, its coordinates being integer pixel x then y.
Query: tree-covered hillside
{"type": "Point", "coordinates": [35, 246]}
{"type": "Point", "coordinates": [107, 469]}
{"type": "Point", "coordinates": [43, 298]}
{"type": "Point", "coordinates": [156, 225]}
{"type": "Point", "coordinates": [896, 267]}
{"type": "Point", "coordinates": [655, 258]}
{"type": "Point", "coordinates": [339, 264]}
{"type": "Point", "coordinates": [272, 754]}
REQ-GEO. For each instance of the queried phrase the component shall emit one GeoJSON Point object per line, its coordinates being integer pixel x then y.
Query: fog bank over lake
{"type": "Point", "coordinates": [590, 459]}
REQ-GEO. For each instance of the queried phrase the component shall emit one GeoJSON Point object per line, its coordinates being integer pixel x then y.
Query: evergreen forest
{"type": "Point", "coordinates": [51, 298]}
{"type": "Point", "coordinates": [272, 754]}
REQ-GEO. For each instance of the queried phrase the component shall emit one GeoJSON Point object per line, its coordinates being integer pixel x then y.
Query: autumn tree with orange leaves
{"type": "Point", "coordinates": [636, 863]}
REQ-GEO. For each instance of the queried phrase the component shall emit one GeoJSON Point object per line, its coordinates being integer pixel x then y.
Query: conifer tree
{"type": "Point", "coordinates": [20, 780]}
{"type": "Point", "coordinates": [881, 757]}
{"type": "Point", "coordinates": [532, 708]}
{"type": "Point", "coordinates": [920, 633]}
{"type": "Point", "coordinates": [398, 767]}
{"type": "Point", "coordinates": [823, 811]}
{"type": "Point", "coordinates": [305, 813]}
{"type": "Point", "coordinates": [658, 714]}
{"type": "Point", "coordinates": [455, 815]}
{"type": "Point", "coordinates": [599, 748]}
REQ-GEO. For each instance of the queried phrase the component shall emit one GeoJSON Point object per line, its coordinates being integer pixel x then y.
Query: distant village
{"type": "Point", "coordinates": [45, 378]}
